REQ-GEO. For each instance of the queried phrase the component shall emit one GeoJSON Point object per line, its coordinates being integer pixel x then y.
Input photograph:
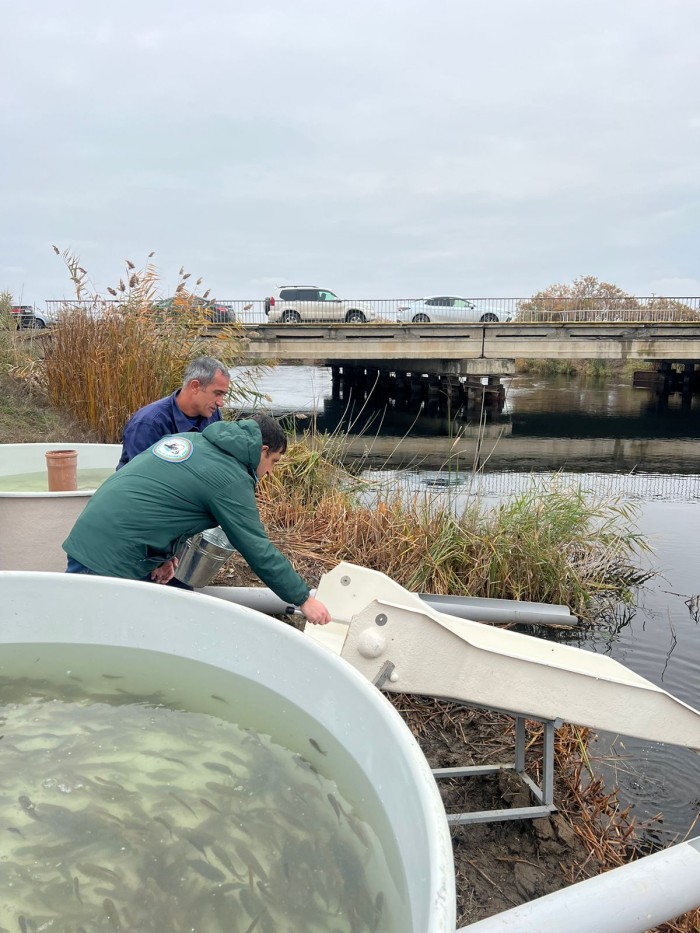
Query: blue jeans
{"type": "Point", "coordinates": [74, 566]}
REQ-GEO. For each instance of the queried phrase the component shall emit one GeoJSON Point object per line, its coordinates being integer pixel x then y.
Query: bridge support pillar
{"type": "Point", "coordinates": [683, 378]}
{"type": "Point", "coordinates": [411, 386]}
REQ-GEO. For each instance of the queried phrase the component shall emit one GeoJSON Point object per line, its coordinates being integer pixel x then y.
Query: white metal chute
{"type": "Point", "coordinates": [377, 621]}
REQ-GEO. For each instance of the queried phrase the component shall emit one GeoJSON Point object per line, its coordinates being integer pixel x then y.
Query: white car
{"type": "Point", "coordinates": [43, 318]}
{"type": "Point", "coordinates": [449, 309]}
{"type": "Point", "coordinates": [292, 304]}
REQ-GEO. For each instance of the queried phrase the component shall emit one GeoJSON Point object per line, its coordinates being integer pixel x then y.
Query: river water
{"type": "Point", "coordinates": [612, 440]}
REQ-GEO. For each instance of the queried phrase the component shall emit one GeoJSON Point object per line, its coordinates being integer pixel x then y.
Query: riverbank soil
{"type": "Point", "coordinates": [498, 864]}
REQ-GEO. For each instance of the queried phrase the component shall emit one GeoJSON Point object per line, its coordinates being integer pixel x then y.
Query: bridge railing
{"type": "Point", "coordinates": [651, 309]}
{"type": "Point", "coordinates": [642, 310]}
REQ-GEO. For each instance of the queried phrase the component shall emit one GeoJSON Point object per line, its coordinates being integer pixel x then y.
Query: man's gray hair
{"type": "Point", "coordinates": [204, 369]}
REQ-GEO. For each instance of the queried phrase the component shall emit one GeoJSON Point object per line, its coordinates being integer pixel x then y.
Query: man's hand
{"type": "Point", "coordinates": [315, 611]}
{"type": "Point", "coordinates": [165, 572]}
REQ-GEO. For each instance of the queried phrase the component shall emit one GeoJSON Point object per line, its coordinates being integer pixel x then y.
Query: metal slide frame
{"type": "Point", "coordinates": [543, 794]}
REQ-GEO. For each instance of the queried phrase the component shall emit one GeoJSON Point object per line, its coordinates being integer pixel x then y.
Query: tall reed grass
{"type": "Point", "coordinates": [555, 545]}
{"type": "Point", "coordinates": [20, 351]}
{"type": "Point", "coordinates": [109, 357]}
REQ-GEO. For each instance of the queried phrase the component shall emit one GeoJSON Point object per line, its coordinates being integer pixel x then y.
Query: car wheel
{"type": "Point", "coordinates": [421, 319]}
{"type": "Point", "coordinates": [291, 317]}
{"type": "Point", "coordinates": [38, 324]}
{"type": "Point", "coordinates": [489, 318]}
{"type": "Point", "coordinates": [355, 317]}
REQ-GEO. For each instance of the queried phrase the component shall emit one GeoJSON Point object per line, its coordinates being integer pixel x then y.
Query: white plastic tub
{"type": "Point", "coordinates": [34, 524]}
{"type": "Point", "coordinates": [60, 610]}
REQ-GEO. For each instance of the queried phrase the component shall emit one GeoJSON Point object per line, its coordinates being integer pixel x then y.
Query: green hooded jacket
{"type": "Point", "coordinates": [185, 483]}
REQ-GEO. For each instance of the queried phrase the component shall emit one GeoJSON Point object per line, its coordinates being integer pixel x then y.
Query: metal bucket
{"type": "Point", "coordinates": [203, 556]}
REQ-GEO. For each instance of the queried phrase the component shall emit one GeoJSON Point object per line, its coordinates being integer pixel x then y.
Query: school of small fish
{"type": "Point", "coordinates": [119, 813]}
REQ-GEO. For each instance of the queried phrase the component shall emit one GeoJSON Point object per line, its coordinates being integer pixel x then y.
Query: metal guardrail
{"type": "Point", "coordinates": [644, 310]}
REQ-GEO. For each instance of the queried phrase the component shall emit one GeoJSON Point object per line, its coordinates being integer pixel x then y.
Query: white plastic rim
{"type": "Point", "coordinates": [42, 608]}
{"type": "Point", "coordinates": [31, 458]}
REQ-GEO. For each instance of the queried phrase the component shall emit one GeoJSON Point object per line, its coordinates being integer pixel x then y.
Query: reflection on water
{"type": "Point", "coordinates": [611, 439]}
{"type": "Point", "coordinates": [546, 425]}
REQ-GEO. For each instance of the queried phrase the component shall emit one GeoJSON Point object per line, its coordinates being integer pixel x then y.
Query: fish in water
{"type": "Point", "coordinates": [111, 914]}
{"type": "Point", "coordinates": [206, 870]}
{"type": "Point", "coordinates": [120, 808]}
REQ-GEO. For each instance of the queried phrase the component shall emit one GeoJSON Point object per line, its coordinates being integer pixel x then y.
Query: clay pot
{"type": "Point", "coordinates": [62, 467]}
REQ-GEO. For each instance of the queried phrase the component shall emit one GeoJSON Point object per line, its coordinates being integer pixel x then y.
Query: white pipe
{"type": "Point", "coordinates": [466, 607]}
{"type": "Point", "coordinates": [630, 899]}
{"type": "Point", "coordinates": [259, 598]}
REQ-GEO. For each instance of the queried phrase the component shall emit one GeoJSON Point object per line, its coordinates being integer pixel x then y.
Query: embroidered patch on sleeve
{"type": "Point", "coordinates": [174, 449]}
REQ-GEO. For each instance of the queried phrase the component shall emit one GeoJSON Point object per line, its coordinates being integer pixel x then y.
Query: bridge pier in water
{"type": "Point", "coordinates": [670, 378]}
{"type": "Point", "coordinates": [408, 387]}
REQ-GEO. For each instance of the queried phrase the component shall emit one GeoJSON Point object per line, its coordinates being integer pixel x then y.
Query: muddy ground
{"type": "Point", "coordinates": [498, 865]}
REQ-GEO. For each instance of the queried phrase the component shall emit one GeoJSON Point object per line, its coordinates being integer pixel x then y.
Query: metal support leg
{"type": "Point", "coordinates": [544, 795]}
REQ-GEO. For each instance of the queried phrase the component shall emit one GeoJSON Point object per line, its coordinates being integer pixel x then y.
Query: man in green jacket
{"type": "Point", "coordinates": [141, 516]}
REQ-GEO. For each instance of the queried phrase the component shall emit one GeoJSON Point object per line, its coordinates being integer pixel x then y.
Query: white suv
{"type": "Point", "coordinates": [291, 304]}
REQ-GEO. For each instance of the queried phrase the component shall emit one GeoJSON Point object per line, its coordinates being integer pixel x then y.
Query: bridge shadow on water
{"type": "Point", "coordinates": [434, 434]}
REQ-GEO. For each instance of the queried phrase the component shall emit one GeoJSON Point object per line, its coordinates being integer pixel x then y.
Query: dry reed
{"type": "Point", "coordinates": [553, 545]}
{"type": "Point", "coordinates": [107, 358]}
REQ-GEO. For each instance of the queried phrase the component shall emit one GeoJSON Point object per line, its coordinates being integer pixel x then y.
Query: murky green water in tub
{"type": "Point", "coordinates": [38, 482]}
{"type": "Point", "coordinates": [142, 792]}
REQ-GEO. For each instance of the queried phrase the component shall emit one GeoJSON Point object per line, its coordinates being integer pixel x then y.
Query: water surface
{"type": "Point", "coordinates": [137, 795]}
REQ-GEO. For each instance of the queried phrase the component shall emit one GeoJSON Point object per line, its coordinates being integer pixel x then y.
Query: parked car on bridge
{"type": "Point", "coordinates": [23, 315]}
{"type": "Point", "coordinates": [452, 309]}
{"type": "Point", "coordinates": [29, 316]}
{"type": "Point", "coordinates": [213, 311]}
{"type": "Point", "coordinates": [292, 304]}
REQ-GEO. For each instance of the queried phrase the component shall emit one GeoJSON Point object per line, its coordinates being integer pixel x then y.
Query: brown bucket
{"type": "Point", "coordinates": [62, 468]}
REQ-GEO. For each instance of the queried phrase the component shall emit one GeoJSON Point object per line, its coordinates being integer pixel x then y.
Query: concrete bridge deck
{"type": "Point", "coordinates": [470, 348]}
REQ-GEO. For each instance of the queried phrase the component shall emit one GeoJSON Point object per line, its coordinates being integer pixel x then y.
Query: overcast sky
{"type": "Point", "coordinates": [378, 148]}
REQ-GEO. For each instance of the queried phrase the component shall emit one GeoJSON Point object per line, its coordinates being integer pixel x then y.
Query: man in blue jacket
{"type": "Point", "coordinates": [139, 518]}
{"type": "Point", "coordinates": [193, 407]}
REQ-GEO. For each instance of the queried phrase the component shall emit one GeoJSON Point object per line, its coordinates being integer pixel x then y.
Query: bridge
{"type": "Point", "coordinates": [454, 357]}
{"type": "Point", "coordinates": [470, 349]}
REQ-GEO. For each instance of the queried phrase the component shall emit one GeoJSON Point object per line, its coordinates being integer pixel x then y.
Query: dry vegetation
{"type": "Point", "coordinates": [109, 357]}
{"type": "Point", "coordinates": [553, 545]}
{"type": "Point", "coordinates": [589, 299]}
